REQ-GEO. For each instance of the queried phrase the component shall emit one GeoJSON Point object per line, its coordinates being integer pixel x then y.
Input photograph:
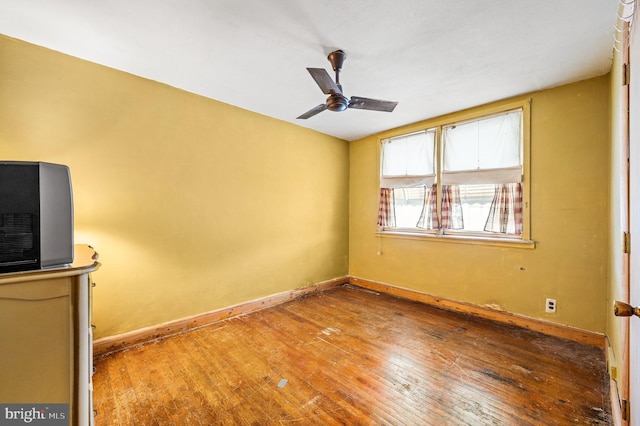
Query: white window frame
{"type": "Point", "coordinates": [484, 237]}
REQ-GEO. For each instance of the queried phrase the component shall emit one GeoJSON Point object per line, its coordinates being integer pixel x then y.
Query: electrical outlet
{"type": "Point", "coordinates": [550, 306]}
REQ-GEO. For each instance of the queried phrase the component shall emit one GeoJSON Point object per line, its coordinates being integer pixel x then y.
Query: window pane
{"type": "Point", "coordinates": [489, 143]}
{"type": "Point", "coordinates": [476, 203]}
{"type": "Point", "coordinates": [408, 206]}
{"type": "Point", "coordinates": [410, 155]}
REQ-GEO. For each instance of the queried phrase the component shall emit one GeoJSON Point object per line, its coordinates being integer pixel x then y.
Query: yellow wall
{"type": "Point", "coordinates": [192, 204]}
{"type": "Point", "coordinates": [196, 205]}
{"type": "Point", "coordinates": [570, 173]}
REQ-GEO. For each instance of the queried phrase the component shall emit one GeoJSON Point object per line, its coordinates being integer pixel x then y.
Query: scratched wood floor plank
{"type": "Point", "coordinates": [350, 356]}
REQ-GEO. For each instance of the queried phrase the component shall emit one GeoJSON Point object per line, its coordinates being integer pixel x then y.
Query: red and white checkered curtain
{"type": "Point", "coordinates": [505, 214]}
{"type": "Point", "coordinates": [451, 209]}
{"type": "Point", "coordinates": [386, 213]}
{"type": "Point", "coordinates": [429, 215]}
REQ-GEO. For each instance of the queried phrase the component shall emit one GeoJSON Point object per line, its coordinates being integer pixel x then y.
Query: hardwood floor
{"type": "Point", "coordinates": [350, 356]}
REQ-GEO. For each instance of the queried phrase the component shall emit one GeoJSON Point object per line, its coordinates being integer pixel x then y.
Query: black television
{"type": "Point", "coordinates": [36, 216]}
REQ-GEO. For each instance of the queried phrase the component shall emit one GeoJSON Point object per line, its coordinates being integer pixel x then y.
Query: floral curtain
{"type": "Point", "coordinates": [505, 214]}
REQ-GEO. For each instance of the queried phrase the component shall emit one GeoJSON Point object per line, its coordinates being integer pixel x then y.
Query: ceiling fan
{"type": "Point", "coordinates": [336, 100]}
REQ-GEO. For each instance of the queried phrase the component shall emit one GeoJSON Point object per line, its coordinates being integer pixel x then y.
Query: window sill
{"type": "Point", "coordinates": [459, 239]}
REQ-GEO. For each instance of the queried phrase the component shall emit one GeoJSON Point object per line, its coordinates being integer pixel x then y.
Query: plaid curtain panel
{"type": "Point", "coordinates": [505, 214]}
{"type": "Point", "coordinates": [429, 215]}
{"type": "Point", "coordinates": [451, 210]}
{"type": "Point", "coordinates": [517, 207]}
{"type": "Point", "coordinates": [386, 214]}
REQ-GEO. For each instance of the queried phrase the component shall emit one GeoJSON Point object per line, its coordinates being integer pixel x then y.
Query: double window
{"type": "Point", "coordinates": [461, 178]}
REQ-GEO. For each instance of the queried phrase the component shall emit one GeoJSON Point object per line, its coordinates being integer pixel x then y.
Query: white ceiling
{"type": "Point", "coordinates": [432, 56]}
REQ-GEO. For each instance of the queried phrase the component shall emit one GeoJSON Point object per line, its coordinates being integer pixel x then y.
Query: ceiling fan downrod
{"type": "Point", "coordinates": [337, 58]}
{"type": "Point", "coordinates": [337, 101]}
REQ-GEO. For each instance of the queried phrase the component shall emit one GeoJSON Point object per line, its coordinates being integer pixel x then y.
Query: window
{"type": "Point", "coordinates": [462, 178]}
{"type": "Point", "coordinates": [407, 168]}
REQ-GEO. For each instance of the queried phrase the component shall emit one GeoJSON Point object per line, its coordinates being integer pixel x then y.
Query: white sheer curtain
{"type": "Point", "coordinates": [408, 160]}
{"type": "Point", "coordinates": [484, 151]}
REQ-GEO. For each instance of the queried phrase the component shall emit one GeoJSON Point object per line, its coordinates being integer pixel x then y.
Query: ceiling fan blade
{"type": "Point", "coordinates": [371, 104]}
{"type": "Point", "coordinates": [322, 78]}
{"type": "Point", "coordinates": [313, 111]}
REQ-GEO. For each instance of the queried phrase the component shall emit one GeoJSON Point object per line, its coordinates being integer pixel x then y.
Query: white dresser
{"type": "Point", "coordinates": [46, 337]}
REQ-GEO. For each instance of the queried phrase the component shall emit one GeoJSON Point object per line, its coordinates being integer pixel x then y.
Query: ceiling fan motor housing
{"type": "Point", "coordinates": [337, 102]}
